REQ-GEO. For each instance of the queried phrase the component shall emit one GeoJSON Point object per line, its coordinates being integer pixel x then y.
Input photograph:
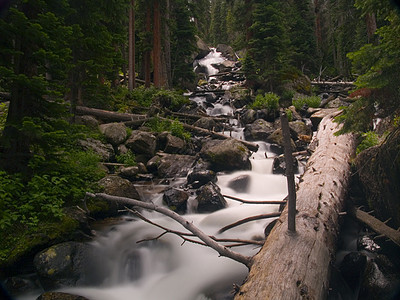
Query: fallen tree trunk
{"type": "Point", "coordinates": [376, 225]}
{"type": "Point", "coordinates": [296, 265]}
{"type": "Point", "coordinates": [106, 115]}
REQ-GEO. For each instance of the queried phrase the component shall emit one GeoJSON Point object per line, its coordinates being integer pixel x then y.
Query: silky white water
{"type": "Point", "coordinates": [167, 268]}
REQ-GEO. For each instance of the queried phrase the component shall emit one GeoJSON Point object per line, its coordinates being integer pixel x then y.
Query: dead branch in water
{"type": "Point", "coordinates": [249, 219]}
{"type": "Point", "coordinates": [221, 249]}
{"type": "Point", "coordinates": [255, 202]}
{"type": "Point", "coordinates": [184, 235]}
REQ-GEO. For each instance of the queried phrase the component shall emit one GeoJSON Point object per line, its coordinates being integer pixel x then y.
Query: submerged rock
{"type": "Point", "coordinates": [240, 184]}
{"type": "Point", "coordinates": [209, 198]}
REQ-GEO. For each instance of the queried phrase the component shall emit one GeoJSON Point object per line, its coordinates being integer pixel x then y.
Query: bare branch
{"type": "Point", "coordinates": [222, 250]}
{"type": "Point", "coordinates": [255, 202]}
{"type": "Point", "coordinates": [249, 219]}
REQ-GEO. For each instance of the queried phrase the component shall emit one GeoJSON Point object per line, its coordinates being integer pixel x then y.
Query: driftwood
{"type": "Point", "coordinates": [376, 225]}
{"type": "Point", "coordinates": [251, 146]}
{"type": "Point", "coordinates": [333, 83]}
{"type": "Point", "coordinates": [255, 202]}
{"type": "Point", "coordinates": [296, 265]}
{"type": "Point", "coordinates": [106, 115]}
{"type": "Point", "coordinates": [221, 249]}
{"type": "Point", "coordinates": [249, 219]}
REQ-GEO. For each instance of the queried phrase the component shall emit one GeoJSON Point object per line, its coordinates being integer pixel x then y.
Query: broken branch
{"type": "Point", "coordinates": [249, 219]}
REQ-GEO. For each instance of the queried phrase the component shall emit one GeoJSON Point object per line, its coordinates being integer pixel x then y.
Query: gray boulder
{"type": "Point", "coordinates": [209, 198]}
{"type": "Point", "coordinates": [259, 130]}
{"type": "Point", "coordinates": [142, 142]}
{"type": "Point", "coordinates": [197, 178]}
{"type": "Point", "coordinates": [170, 143]}
{"type": "Point", "coordinates": [87, 120]}
{"type": "Point", "coordinates": [129, 173]}
{"type": "Point", "coordinates": [226, 155]}
{"type": "Point", "coordinates": [227, 51]}
{"type": "Point", "coordinates": [176, 199]}
{"type": "Point", "coordinates": [106, 151]}
{"type": "Point", "coordinates": [249, 116]}
{"type": "Point", "coordinates": [207, 123]}
{"type": "Point", "coordinates": [115, 133]}
{"type": "Point", "coordinates": [62, 265]}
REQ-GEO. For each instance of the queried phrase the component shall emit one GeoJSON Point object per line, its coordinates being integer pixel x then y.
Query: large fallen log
{"type": "Point", "coordinates": [296, 265]}
{"type": "Point", "coordinates": [106, 115]}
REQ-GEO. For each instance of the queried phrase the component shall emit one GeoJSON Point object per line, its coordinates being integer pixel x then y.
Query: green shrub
{"type": "Point", "coordinates": [173, 126]}
{"type": "Point", "coordinates": [3, 115]}
{"type": "Point", "coordinates": [268, 101]}
{"type": "Point", "coordinates": [301, 100]}
{"type": "Point", "coordinates": [128, 158]}
{"type": "Point", "coordinates": [370, 139]}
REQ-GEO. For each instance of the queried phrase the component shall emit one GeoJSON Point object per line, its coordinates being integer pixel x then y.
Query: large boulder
{"type": "Point", "coordinates": [170, 143]}
{"type": "Point", "coordinates": [142, 142]}
{"type": "Point", "coordinates": [259, 130]}
{"type": "Point", "coordinates": [105, 151]}
{"type": "Point", "coordinates": [62, 265]}
{"type": "Point", "coordinates": [226, 155]}
{"type": "Point", "coordinates": [207, 123]}
{"type": "Point", "coordinates": [209, 198]}
{"type": "Point", "coordinates": [176, 199]}
{"type": "Point", "coordinates": [115, 186]}
{"type": "Point", "coordinates": [227, 51]}
{"type": "Point", "coordinates": [202, 47]}
{"type": "Point", "coordinates": [88, 121]}
{"type": "Point", "coordinates": [115, 133]}
{"type": "Point", "coordinates": [197, 178]}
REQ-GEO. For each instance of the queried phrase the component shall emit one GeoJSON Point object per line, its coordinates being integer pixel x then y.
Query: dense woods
{"type": "Point", "coordinates": [134, 55]}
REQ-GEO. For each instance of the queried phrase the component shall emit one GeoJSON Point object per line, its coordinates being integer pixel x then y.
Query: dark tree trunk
{"type": "Point", "coordinates": [157, 45]}
{"type": "Point", "coordinates": [131, 59]}
{"type": "Point", "coordinates": [147, 58]}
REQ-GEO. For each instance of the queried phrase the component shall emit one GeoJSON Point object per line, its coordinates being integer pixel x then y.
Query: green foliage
{"type": "Point", "coordinates": [370, 139]}
{"type": "Point", "coordinates": [301, 100]}
{"type": "Point", "coordinates": [173, 126]}
{"type": "Point", "coordinates": [128, 158]}
{"type": "Point", "coordinates": [289, 114]}
{"type": "Point", "coordinates": [3, 115]}
{"type": "Point", "coordinates": [268, 101]}
{"type": "Point", "coordinates": [170, 99]}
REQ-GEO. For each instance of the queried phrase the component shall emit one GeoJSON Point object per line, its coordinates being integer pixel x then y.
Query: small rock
{"type": "Point", "coordinates": [209, 198]}
{"type": "Point", "coordinates": [176, 199]}
{"type": "Point", "coordinates": [197, 178]}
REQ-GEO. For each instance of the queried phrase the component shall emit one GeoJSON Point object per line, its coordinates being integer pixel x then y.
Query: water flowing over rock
{"type": "Point", "coordinates": [106, 151]}
{"type": "Point", "coordinates": [227, 51]}
{"type": "Point", "coordinates": [240, 184]}
{"type": "Point", "coordinates": [171, 165]}
{"type": "Point", "coordinates": [209, 198]}
{"type": "Point", "coordinates": [62, 265]}
{"type": "Point", "coordinates": [226, 155]}
{"type": "Point", "coordinates": [115, 133]}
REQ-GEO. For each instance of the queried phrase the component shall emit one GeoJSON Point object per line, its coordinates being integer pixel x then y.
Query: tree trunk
{"type": "Point", "coordinates": [157, 45]}
{"type": "Point", "coordinates": [296, 265]}
{"type": "Point", "coordinates": [131, 59]}
{"type": "Point", "coordinates": [166, 69]}
{"type": "Point", "coordinates": [109, 116]}
{"type": "Point", "coordinates": [147, 58]}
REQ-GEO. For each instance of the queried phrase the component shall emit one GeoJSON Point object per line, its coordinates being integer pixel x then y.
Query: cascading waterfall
{"type": "Point", "coordinates": [167, 268]}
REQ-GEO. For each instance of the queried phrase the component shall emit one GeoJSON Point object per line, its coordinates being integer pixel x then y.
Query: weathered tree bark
{"type": "Point", "coordinates": [106, 115]}
{"type": "Point", "coordinates": [296, 265]}
{"type": "Point", "coordinates": [147, 56]}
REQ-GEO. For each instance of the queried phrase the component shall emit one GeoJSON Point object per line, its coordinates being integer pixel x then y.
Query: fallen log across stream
{"type": "Point", "coordinates": [296, 265]}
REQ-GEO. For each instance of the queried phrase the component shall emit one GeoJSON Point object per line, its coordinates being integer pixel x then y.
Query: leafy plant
{"type": "Point", "coordinates": [173, 126]}
{"type": "Point", "coordinates": [370, 139]}
{"type": "Point", "coordinates": [3, 115]}
{"type": "Point", "coordinates": [310, 101]}
{"type": "Point", "coordinates": [269, 101]}
{"type": "Point", "coordinates": [127, 158]}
